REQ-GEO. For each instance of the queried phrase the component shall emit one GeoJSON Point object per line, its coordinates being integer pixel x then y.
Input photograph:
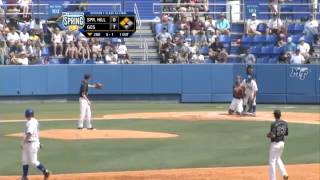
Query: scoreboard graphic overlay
{"type": "Point", "coordinates": [101, 25]}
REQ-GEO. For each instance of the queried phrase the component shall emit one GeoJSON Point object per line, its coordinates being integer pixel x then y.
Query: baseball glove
{"type": "Point", "coordinates": [270, 135]}
{"type": "Point", "coordinates": [98, 85]}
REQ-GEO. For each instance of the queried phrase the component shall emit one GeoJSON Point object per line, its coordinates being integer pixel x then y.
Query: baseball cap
{"type": "Point", "coordinates": [289, 39]}
{"type": "Point", "coordinates": [254, 14]}
{"type": "Point", "coordinates": [277, 113]}
{"type": "Point", "coordinates": [301, 39]}
{"type": "Point", "coordinates": [249, 78]}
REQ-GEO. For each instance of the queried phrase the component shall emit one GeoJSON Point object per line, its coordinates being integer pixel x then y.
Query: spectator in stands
{"type": "Point", "coordinates": [37, 27]}
{"type": "Point", "coordinates": [69, 37]}
{"type": "Point", "coordinates": [180, 53]}
{"type": "Point", "coordinates": [214, 50]}
{"type": "Point", "coordinates": [12, 9]}
{"type": "Point", "coordinates": [13, 37]}
{"type": "Point", "coordinates": [252, 24]}
{"type": "Point", "coordinates": [111, 57]}
{"type": "Point", "coordinates": [290, 47]}
{"type": "Point", "coordinates": [72, 51]}
{"type": "Point", "coordinates": [197, 24]}
{"type": "Point", "coordinates": [275, 25]}
{"type": "Point", "coordinates": [304, 48]}
{"type": "Point", "coordinates": [210, 24]}
{"type": "Point", "coordinates": [197, 58]}
{"type": "Point", "coordinates": [297, 58]}
{"type": "Point", "coordinates": [193, 48]}
{"type": "Point", "coordinates": [96, 50]}
{"type": "Point", "coordinates": [211, 36]}
{"type": "Point", "coordinates": [188, 36]}
{"type": "Point", "coordinates": [84, 51]}
{"type": "Point", "coordinates": [24, 4]}
{"type": "Point", "coordinates": [57, 42]}
{"type": "Point", "coordinates": [311, 27]}
{"type": "Point", "coordinates": [20, 59]}
{"type": "Point", "coordinates": [222, 56]}
{"type": "Point", "coordinates": [162, 37]}
{"type": "Point", "coordinates": [223, 25]}
{"type": "Point", "coordinates": [248, 57]}
{"type": "Point", "coordinates": [166, 51]}
{"type": "Point", "coordinates": [3, 52]}
{"type": "Point", "coordinates": [184, 23]}
{"type": "Point", "coordinates": [201, 39]}
{"type": "Point", "coordinates": [33, 37]}
{"type": "Point", "coordinates": [282, 40]}
{"type": "Point", "coordinates": [122, 52]}
{"type": "Point", "coordinates": [24, 35]}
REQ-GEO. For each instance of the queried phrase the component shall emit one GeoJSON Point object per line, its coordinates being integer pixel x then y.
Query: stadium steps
{"type": "Point", "coordinates": [134, 44]}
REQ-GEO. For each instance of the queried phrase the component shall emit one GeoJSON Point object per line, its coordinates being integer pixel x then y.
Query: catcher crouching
{"type": "Point", "coordinates": [236, 106]}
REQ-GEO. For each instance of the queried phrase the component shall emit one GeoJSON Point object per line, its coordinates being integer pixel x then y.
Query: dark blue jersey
{"type": "Point", "coordinates": [280, 129]}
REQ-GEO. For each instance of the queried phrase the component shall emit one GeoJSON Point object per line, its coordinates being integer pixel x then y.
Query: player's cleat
{"type": "Point", "coordinates": [285, 177]}
{"type": "Point", "coordinates": [24, 178]}
{"type": "Point", "coordinates": [92, 129]}
{"type": "Point", "coordinates": [80, 128]}
{"type": "Point", "coordinates": [46, 174]}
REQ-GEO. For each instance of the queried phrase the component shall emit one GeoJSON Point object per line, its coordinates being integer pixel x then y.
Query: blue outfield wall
{"type": "Point", "coordinates": [195, 83]}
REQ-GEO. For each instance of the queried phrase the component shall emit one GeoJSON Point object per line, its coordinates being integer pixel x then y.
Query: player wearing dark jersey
{"type": "Point", "coordinates": [85, 109]}
{"type": "Point", "coordinates": [278, 131]}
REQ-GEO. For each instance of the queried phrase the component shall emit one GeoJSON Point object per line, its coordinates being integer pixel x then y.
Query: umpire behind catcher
{"type": "Point", "coordinates": [278, 130]}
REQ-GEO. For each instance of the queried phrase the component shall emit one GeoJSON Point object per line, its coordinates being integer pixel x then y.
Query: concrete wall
{"type": "Point", "coordinates": [195, 83]}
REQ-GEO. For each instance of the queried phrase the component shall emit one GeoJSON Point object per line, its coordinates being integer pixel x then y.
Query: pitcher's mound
{"type": "Point", "coordinates": [74, 134]}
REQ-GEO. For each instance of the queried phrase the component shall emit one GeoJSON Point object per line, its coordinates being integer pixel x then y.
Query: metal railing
{"type": "Point", "coordinates": [145, 51]}
{"type": "Point", "coordinates": [138, 22]}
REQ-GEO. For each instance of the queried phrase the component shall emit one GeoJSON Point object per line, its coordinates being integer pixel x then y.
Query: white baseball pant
{"type": "Point", "coordinates": [30, 153]}
{"type": "Point", "coordinates": [85, 113]}
{"type": "Point", "coordinates": [236, 105]}
{"type": "Point", "coordinates": [276, 149]}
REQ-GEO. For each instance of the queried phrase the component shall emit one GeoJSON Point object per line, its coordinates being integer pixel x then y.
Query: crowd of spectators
{"type": "Point", "coordinates": [23, 40]}
{"type": "Point", "coordinates": [196, 33]}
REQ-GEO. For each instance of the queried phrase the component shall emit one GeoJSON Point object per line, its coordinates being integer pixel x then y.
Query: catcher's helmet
{"type": "Point", "coordinates": [29, 113]}
{"type": "Point", "coordinates": [249, 78]}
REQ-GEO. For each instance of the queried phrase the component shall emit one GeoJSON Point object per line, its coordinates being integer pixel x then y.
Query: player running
{"type": "Point", "coordinates": [85, 109]}
{"type": "Point", "coordinates": [250, 96]}
{"type": "Point", "coordinates": [31, 146]}
{"type": "Point", "coordinates": [278, 130]}
{"type": "Point", "coordinates": [236, 105]}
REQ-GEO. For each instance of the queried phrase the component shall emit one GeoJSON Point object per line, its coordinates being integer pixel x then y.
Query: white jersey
{"type": "Point", "coordinates": [32, 127]}
{"type": "Point", "coordinates": [250, 88]}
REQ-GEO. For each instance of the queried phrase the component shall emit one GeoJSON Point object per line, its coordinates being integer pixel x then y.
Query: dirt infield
{"type": "Point", "coordinates": [74, 134]}
{"type": "Point", "coordinates": [296, 172]}
{"type": "Point", "coordinates": [307, 118]}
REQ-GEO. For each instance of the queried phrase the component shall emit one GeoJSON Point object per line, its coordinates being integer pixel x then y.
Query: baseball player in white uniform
{"type": "Point", "coordinates": [236, 105]}
{"type": "Point", "coordinates": [31, 146]}
{"type": "Point", "coordinates": [250, 96]}
{"type": "Point", "coordinates": [85, 109]}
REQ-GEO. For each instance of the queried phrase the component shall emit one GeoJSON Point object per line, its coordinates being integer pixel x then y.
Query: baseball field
{"type": "Point", "coordinates": [159, 140]}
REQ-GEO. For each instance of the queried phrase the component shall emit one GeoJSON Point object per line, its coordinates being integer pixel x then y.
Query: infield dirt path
{"type": "Point", "coordinates": [75, 134]}
{"type": "Point", "coordinates": [296, 172]}
{"type": "Point", "coordinates": [307, 118]}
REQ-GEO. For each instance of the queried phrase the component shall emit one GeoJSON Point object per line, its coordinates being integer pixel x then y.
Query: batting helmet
{"type": "Point", "coordinates": [29, 113]}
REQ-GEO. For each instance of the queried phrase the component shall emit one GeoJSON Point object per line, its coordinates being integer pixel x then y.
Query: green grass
{"type": "Point", "coordinates": [200, 144]}
{"type": "Point", "coordinates": [71, 109]}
